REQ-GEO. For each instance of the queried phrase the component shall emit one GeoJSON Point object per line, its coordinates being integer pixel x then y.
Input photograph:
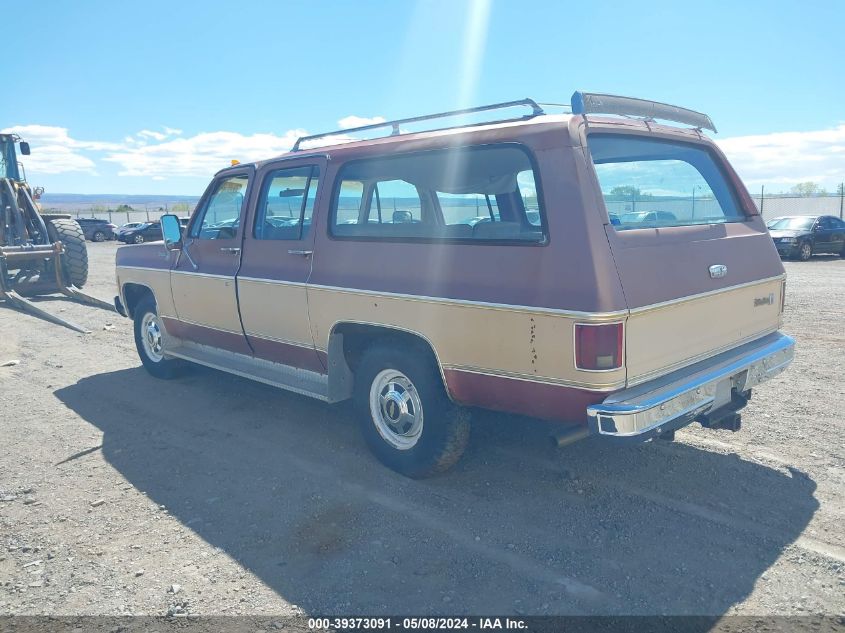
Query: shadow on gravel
{"type": "Point", "coordinates": [284, 485]}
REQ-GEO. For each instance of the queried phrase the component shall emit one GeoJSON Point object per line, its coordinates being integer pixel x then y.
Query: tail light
{"type": "Point", "coordinates": [598, 347]}
{"type": "Point", "coordinates": [782, 295]}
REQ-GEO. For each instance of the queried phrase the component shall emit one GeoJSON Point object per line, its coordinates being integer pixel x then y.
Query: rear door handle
{"type": "Point", "coordinates": [303, 253]}
{"type": "Point", "coordinates": [234, 250]}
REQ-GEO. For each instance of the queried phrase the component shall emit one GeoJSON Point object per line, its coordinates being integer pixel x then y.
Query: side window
{"type": "Point", "coordinates": [395, 202]}
{"type": "Point", "coordinates": [286, 204]}
{"type": "Point", "coordinates": [349, 202]}
{"type": "Point", "coordinates": [487, 194]}
{"type": "Point", "coordinates": [837, 223]}
{"type": "Point", "coordinates": [222, 214]}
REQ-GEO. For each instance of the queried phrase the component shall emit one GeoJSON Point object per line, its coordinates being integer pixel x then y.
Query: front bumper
{"type": "Point", "coordinates": [678, 399]}
{"type": "Point", "coordinates": [787, 249]}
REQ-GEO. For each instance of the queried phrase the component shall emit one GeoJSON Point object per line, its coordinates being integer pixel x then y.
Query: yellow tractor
{"type": "Point", "coordinates": [40, 254]}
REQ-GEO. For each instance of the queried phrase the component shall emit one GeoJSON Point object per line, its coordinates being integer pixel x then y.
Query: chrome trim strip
{"type": "Point", "coordinates": [272, 339]}
{"type": "Point", "coordinates": [276, 282]}
{"type": "Point", "coordinates": [149, 268]}
{"type": "Point", "coordinates": [640, 410]}
{"type": "Point", "coordinates": [203, 325]}
{"type": "Point", "coordinates": [208, 275]}
{"type": "Point", "coordinates": [480, 304]}
{"type": "Point", "coordinates": [709, 293]}
{"type": "Point", "coordinates": [543, 380]}
{"type": "Point", "coordinates": [595, 316]}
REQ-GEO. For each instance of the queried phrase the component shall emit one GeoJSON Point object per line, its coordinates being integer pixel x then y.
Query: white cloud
{"type": "Point", "coordinates": [199, 155]}
{"type": "Point", "coordinates": [55, 152]}
{"type": "Point", "coordinates": [777, 160]}
{"type": "Point", "coordinates": [359, 121]}
{"type": "Point", "coordinates": [781, 159]}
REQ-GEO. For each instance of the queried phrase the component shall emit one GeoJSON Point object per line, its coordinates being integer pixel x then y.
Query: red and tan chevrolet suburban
{"type": "Point", "coordinates": [593, 267]}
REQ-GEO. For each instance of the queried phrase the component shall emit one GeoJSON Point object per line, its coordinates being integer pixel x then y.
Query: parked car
{"type": "Point", "coordinates": [803, 236]}
{"type": "Point", "coordinates": [97, 230]}
{"type": "Point", "coordinates": [125, 227]}
{"type": "Point", "coordinates": [657, 218]}
{"type": "Point", "coordinates": [295, 272]}
{"type": "Point", "coordinates": [145, 232]}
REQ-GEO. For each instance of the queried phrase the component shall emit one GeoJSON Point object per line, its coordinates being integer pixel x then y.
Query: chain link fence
{"type": "Point", "coordinates": [122, 213]}
{"type": "Point", "coordinates": [770, 206]}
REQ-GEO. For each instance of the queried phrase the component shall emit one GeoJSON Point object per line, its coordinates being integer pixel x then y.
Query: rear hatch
{"type": "Point", "coordinates": [698, 268]}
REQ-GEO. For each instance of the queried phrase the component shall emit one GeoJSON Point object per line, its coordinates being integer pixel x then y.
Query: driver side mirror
{"type": "Point", "coordinates": [24, 148]}
{"type": "Point", "coordinates": [171, 231]}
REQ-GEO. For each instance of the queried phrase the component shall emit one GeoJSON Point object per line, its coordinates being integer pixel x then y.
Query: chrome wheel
{"type": "Point", "coordinates": [151, 337]}
{"type": "Point", "coordinates": [139, 239]}
{"type": "Point", "coordinates": [396, 409]}
{"type": "Point", "coordinates": [806, 251]}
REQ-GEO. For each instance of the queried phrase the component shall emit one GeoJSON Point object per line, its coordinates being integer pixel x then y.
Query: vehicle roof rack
{"type": "Point", "coordinates": [536, 110]}
{"type": "Point", "coordinates": [596, 103]}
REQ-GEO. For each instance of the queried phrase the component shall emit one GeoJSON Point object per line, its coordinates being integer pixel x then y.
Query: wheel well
{"type": "Point", "coordinates": [348, 341]}
{"type": "Point", "coordinates": [133, 293]}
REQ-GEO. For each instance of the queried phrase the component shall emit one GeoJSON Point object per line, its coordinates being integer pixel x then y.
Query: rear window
{"type": "Point", "coordinates": [484, 194]}
{"type": "Point", "coordinates": [648, 183]}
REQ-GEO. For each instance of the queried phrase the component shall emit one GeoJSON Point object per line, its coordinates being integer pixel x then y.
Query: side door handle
{"type": "Point", "coordinates": [303, 253]}
{"type": "Point", "coordinates": [234, 250]}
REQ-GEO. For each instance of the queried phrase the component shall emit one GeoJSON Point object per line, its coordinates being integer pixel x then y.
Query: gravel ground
{"type": "Point", "coordinates": [214, 495]}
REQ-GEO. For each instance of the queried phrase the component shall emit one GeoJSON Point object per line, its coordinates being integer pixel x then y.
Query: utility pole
{"type": "Point", "coordinates": [841, 198]}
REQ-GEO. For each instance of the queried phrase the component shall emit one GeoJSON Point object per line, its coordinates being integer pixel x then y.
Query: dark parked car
{"type": "Point", "coordinates": [803, 236]}
{"type": "Point", "coordinates": [146, 232]}
{"type": "Point", "coordinates": [97, 230]}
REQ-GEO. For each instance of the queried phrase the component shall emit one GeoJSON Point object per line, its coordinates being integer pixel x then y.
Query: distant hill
{"type": "Point", "coordinates": [111, 201]}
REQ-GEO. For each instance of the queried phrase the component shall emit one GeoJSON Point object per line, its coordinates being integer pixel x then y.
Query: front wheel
{"type": "Point", "coordinates": [138, 239]}
{"type": "Point", "coordinates": [405, 416]}
{"type": "Point", "coordinates": [149, 340]}
{"type": "Point", "coordinates": [74, 259]}
{"type": "Point", "coordinates": [805, 251]}
{"type": "Point", "coordinates": [99, 236]}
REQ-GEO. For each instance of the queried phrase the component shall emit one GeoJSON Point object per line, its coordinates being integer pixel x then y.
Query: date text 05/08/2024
{"type": "Point", "coordinates": [424, 623]}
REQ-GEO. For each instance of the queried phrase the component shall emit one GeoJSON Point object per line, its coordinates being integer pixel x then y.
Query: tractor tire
{"type": "Point", "coordinates": [75, 257]}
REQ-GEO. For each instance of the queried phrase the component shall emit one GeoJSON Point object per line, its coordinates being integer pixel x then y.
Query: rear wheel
{"type": "Point", "coordinates": [99, 236]}
{"type": "Point", "coordinates": [149, 340]}
{"type": "Point", "coordinates": [805, 251]}
{"type": "Point", "coordinates": [405, 416]}
{"type": "Point", "coordinates": [138, 239]}
{"type": "Point", "coordinates": [75, 258]}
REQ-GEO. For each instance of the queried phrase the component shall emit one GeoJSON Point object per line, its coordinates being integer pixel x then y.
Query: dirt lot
{"type": "Point", "coordinates": [215, 495]}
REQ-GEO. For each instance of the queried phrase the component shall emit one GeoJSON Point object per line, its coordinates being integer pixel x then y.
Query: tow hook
{"type": "Point", "coordinates": [727, 417]}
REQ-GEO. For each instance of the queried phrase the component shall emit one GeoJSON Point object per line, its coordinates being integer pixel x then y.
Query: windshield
{"type": "Point", "coordinates": [8, 160]}
{"type": "Point", "coordinates": [648, 183]}
{"type": "Point", "coordinates": [791, 224]}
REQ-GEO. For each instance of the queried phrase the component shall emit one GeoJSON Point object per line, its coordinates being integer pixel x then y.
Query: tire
{"type": "Point", "coordinates": [146, 316]}
{"type": "Point", "coordinates": [138, 239]}
{"type": "Point", "coordinates": [805, 251]}
{"type": "Point", "coordinates": [430, 433]}
{"type": "Point", "coordinates": [75, 258]}
{"type": "Point", "coordinates": [98, 236]}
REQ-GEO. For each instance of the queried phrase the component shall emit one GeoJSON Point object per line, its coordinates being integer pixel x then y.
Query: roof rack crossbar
{"type": "Point", "coordinates": [536, 110]}
{"type": "Point", "coordinates": [592, 102]}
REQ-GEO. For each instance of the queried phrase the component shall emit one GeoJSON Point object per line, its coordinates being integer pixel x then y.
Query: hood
{"type": "Point", "coordinates": [788, 233]}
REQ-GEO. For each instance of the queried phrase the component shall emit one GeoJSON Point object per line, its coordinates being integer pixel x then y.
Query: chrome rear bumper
{"type": "Point", "coordinates": [675, 400]}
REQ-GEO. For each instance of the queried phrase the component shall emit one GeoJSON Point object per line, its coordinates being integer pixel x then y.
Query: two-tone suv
{"type": "Point", "coordinates": [606, 271]}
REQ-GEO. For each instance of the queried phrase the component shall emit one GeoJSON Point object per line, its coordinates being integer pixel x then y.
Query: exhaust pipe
{"type": "Point", "coordinates": [570, 436]}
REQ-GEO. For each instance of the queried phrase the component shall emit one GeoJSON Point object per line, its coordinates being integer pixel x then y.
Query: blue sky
{"type": "Point", "coordinates": [154, 96]}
